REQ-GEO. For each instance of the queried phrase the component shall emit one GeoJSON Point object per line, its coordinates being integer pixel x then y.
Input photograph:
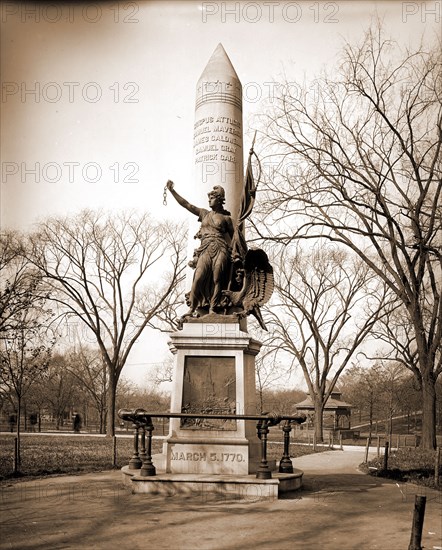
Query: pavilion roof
{"type": "Point", "coordinates": [332, 403]}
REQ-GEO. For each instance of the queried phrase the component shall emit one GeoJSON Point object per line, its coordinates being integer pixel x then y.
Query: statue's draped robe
{"type": "Point", "coordinates": [212, 259]}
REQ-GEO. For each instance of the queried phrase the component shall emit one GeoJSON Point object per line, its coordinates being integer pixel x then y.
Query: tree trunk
{"type": "Point", "coordinates": [390, 428]}
{"type": "Point", "coordinates": [101, 411]}
{"type": "Point", "coordinates": [261, 401]}
{"type": "Point", "coordinates": [428, 413]}
{"type": "Point", "coordinates": [426, 367]}
{"type": "Point", "coordinates": [319, 424]}
{"type": "Point", "coordinates": [370, 417]}
{"type": "Point", "coordinates": [111, 403]}
{"type": "Point", "coordinates": [18, 432]}
{"type": "Point", "coordinates": [103, 416]}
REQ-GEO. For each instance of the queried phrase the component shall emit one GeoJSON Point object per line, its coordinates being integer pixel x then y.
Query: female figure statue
{"type": "Point", "coordinates": [211, 259]}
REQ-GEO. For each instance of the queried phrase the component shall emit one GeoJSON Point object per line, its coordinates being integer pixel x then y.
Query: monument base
{"type": "Point", "coordinates": [214, 374]}
{"type": "Point", "coordinates": [228, 487]}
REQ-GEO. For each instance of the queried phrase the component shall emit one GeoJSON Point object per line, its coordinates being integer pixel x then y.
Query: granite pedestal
{"type": "Point", "coordinates": [214, 374]}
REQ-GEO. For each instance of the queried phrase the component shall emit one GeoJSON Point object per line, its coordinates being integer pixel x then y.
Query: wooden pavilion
{"type": "Point", "coordinates": [337, 413]}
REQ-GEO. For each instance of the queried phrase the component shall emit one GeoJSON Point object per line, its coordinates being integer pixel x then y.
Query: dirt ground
{"type": "Point", "coordinates": [338, 508]}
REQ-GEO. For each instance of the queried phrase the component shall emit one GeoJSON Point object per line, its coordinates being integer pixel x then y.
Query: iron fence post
{"type": "Point", "coordinates": [285, 464]}
{"type": "Point", "coordinates": [135, 462]}
{"type": "Point", "coordinates": [148, 469]}
{"type": "Point", "coordinates": [263, 471]}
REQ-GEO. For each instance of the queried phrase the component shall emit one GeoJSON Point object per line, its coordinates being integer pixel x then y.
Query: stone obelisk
{"type": "Point", "coordinates": [214, 358]}
{"type": "Point", "coordinates": [218, 134]}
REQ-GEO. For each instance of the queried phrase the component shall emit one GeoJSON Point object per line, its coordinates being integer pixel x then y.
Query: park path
{"type": "Point", "coordinates": [339, 508]}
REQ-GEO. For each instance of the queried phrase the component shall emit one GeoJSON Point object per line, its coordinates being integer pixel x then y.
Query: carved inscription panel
{"type": "Point", "coordinates": [205, 459]}
{"type": "Point", "coordinates": [217, 138]}
{"type": "Point", "coordinates": [198, 456]}
{"type": "Point", "coordinates": [209, 387]}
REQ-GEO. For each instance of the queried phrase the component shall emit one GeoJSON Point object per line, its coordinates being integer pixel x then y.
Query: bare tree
{"type": "Point", "coordinates": [37, 399]}
{"type": "Point", "coordinates": [381, 391]}
{"type": "Point", "coordinates": [326, 305]}
{"type": "Point", "coordinates": [281, 400]}
{"type": "Point", "coordinates": [391, 384]}
{"type": "Point", "coordinates": [19, 283]}
{"type": "Point", "coordinates": [395, 331]}
{"type": "Point", "coordinates": [162, 372]}
{"type": "Point", "coordinates": [130, 396]}
{"type": "Point", "coordinates": [361, 386]}
{"type": "Point", "coordinates": [408, 397]}
{"type": "Point", "coordinates": [25, 344]}
{"type": "Point", "coordinates": [25, 351]}
{"type": "Point", "coordinates": [90, 370]}
{"type": "Point", "coordinates": [268, 371]}
{"type": "Point", "coordinates": [60, 388]}
{"type": "Point", "coordinates": [117, 274]}
{"type": "Point", "coordinates": [367, 151]}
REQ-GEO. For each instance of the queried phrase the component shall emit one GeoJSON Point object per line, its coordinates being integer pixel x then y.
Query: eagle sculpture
{"type": "Point", "coordinates": [257, 285]}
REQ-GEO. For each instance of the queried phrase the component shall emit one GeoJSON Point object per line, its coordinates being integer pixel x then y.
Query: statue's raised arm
{"type": "Point", "coordinates": [181, 200]}
{"type": "Point", "coordinates": [212, 259]}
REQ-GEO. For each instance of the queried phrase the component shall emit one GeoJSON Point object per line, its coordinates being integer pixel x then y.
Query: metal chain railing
{"type": "Point", "coordinates": [143, 425]}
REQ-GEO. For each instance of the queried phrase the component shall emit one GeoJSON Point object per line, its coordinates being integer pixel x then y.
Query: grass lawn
{"type": "Point", "coordinates": [407, 464]}
{"type": "Point", "coordinates": [55, 454]}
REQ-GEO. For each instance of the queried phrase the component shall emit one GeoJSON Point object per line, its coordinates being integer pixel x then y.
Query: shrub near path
{"type": "Point", "coordinates": [414, 465]}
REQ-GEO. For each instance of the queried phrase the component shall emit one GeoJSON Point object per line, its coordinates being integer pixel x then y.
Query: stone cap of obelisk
{"type": "Point", "coordinates": [218, 135]}
{"type": "Point", "coordinates": [219, 81]}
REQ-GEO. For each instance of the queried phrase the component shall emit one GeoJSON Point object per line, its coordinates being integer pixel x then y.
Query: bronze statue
{"type": "Point", "coordinates": [257, 285]}
{"type": "Point", "coordinates": [228, 278]}
{"type": "Point", "coordinates": [211, 259]}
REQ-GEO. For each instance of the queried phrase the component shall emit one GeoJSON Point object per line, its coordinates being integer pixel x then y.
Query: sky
{"type": "Point", "coordinates": [97, 106]}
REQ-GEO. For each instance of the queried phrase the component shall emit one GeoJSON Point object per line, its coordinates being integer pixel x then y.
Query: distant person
{"type": "Point", "coordinates": [12, 422]}
{"type": "Point", "coordinates": [77, 423]}
{"type": "Point", "coordinates": [33, 419]}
